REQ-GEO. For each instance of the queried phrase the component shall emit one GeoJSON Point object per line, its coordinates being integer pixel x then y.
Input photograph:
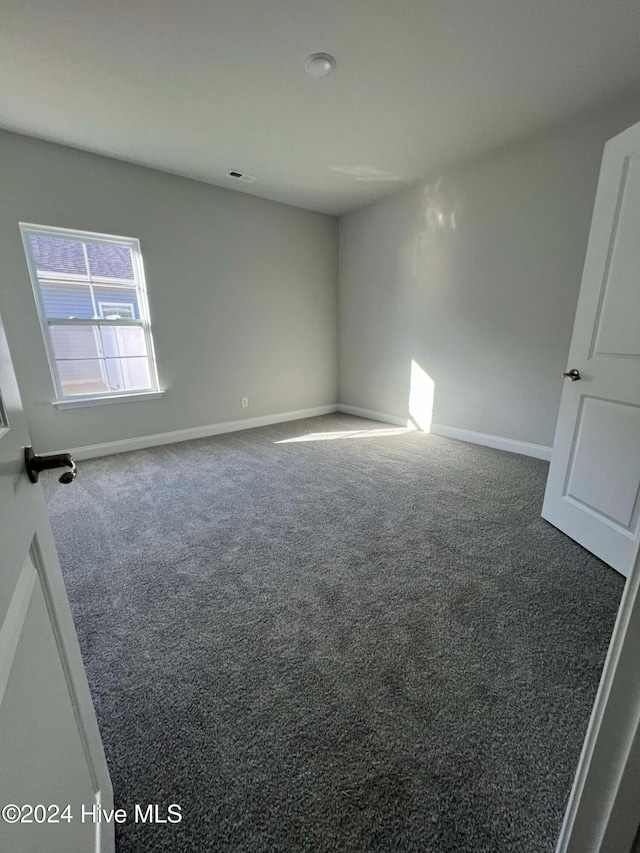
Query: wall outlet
{"type": "Point", "coordinates": [245, 402]}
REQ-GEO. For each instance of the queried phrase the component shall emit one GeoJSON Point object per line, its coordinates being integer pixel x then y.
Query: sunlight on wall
{"type": "Point", "coordinates": [350, 433]}
{"type": "Point", "coordinates": [437, 218]}
{"type": "Point", "coordinates": [439, 214]}
{"type": "Point", "coordinates": [421, 392]}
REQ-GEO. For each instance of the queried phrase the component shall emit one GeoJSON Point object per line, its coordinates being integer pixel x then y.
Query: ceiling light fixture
{"type": "Point", "coordinates": [319, 65]}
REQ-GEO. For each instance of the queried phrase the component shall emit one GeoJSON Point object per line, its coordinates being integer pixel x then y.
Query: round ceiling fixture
{"type": "Point", "coordinates": [319, 65]}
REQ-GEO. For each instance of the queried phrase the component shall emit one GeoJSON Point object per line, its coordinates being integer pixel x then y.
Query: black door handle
{"type": "Point", "coordinates": [573, 375]}
{"type": "Point", "coordinates": [35, 464]}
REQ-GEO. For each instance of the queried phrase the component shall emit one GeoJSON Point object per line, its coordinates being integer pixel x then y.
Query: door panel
{"type": "Point", "coordinates": [617, 329]}
{"type": "Point", "coordinates": [604, 471]}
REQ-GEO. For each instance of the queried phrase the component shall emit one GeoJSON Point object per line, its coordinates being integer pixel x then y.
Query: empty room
{"type": "Point", "coordinates": [319, 426]}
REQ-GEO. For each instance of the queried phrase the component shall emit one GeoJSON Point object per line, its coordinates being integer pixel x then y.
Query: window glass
{"type": "Point", "coordinates": [128, 374]}
{"type": "Point", "coordinates": [123, 341]}
{"type": "Point", "coordinates": [66, 301]}
{"type": "Point", "coordinates": [110, 261]}
{"type": "Point", "coordinates": [82, 377]}
{"type": "Point", "coordinates": [58, 255]}
{"type": "Point", "coordinates": [75, 341]}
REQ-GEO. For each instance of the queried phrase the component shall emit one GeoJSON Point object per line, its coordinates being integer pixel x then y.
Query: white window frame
{"type": "Point", "coordinates": [132, 243]}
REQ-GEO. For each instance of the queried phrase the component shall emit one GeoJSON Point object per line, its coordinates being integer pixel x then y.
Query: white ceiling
{"type": "Point", "coordinates": [197, 87]}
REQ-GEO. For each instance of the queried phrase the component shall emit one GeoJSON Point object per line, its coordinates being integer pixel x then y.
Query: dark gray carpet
{"type": "Point", "coordinates": [371, 643]}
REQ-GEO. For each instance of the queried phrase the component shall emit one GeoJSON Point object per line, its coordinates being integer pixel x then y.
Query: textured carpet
{"type": "Point", "coordinates": [369, 641]}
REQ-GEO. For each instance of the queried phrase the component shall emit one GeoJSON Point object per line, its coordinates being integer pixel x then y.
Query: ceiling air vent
{"type": "Point", "coordinates": [240, 176]}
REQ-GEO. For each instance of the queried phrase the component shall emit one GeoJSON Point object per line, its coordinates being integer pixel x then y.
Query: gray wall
{"type": "Point", "coordinates": [243, 293]}
{"type": "Point", "coordinates": [475, 275]}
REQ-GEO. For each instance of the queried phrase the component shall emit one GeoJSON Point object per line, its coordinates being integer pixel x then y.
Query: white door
{"type": "Point", "coordinates": [50, 750]}
{"type": "Point", "coordinates": [594, 478]}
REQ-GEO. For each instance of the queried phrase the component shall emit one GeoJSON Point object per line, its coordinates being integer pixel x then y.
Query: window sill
{"type": "Point", "coordinates": [81, 402]}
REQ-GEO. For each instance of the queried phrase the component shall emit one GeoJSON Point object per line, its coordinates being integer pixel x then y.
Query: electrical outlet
{"type": "Point", "coordinates": [245, 402]}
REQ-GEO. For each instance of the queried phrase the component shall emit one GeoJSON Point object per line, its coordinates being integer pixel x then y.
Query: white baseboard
{"type": "Point", "coordinates": [538, 451]}
{"type": "Point", "coordinates": [108, 448]}
{"type": "Point", "coordinates": [373, 416]}
{"type": "Point", "coordinates": [511, 445]}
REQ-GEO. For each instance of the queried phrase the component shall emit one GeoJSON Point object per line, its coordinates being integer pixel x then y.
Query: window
{"type": "Point", "coordinates": [92, 302]}
{"type": "Point", "coordinates": [115, 310]}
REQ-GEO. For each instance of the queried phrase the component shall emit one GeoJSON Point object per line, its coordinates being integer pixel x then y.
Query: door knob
{"type": "Point", "coordinates": [573, 375]}
{"type": "Point", "coordinates": [35, 464]}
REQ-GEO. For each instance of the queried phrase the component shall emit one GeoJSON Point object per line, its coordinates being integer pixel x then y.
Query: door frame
{"type": "Point", "coordinates": [603, 813]}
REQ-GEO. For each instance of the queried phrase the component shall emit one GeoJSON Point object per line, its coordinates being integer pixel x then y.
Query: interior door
{"type": "Point", "coordinates": [594, 478]}
{"type": "Point", "coordinates": [51, 755]}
